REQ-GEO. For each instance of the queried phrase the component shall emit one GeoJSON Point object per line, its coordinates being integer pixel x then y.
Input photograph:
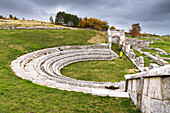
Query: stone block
{"type": "Point", "coordinates": [131, 50]}
{"type": "Point", "coordinates": [134, 85]}
{"type": "Point", "coordinates": [145, 86]}
{"type": "Point", "coordinates": [141, 59]}
{"type": "Point", "coordinates": [129, 85]}
{"type": "Point", "coordinates": [153, 65]}
{"type": "Point", "coordinates": [133, 96]}
{"type": "Point", "coordinates": [138, 85]}
{"type": "Point", "coordinates": [145, 104]}
{"type": "Point", "coordinates": [133, 55]}
{"type": "Point", "coordinates": [139, 100]}
{"type": "Point", "coordinates": [154, 90]}
{"type": "Point", "coordinates": [159, 106]}
{"type": "Point", "coordinates": [127, 48]}
{"type": "Point", "coordinates": [166, 88]}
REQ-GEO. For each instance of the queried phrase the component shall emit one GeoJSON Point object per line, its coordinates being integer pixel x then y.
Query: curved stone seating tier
{"type": "Point", "coordinates": [43, 67]}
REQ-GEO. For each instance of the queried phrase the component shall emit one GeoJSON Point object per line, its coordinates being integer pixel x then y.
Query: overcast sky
{"type": "Point", "coordinates": [153, 15]}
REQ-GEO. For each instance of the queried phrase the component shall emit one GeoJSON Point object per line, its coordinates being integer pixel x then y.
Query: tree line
{"type": "Point", "coordinates": [67, 19]}
{"type": "Point", "coordinates": [10, 17]}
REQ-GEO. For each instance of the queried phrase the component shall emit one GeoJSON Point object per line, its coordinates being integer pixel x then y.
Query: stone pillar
{"type": "Point", "coordinates": [110, 42]}
{"type": "Point", "coordinates": [127, 48]}
{"type": "Point", "coordinates": [141, 61]}
{"type": "Point", "coordinates": [109, 38]}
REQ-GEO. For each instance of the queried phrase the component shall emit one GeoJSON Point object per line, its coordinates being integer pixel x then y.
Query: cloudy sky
{"type": "Point", "coordinates": [153, 15]}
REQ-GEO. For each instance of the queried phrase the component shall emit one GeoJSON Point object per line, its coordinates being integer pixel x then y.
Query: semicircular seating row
{"type": "Point", "coordinates": [43, 66]}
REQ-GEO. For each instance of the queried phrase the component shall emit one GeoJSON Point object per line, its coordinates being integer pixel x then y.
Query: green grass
{"type": "Point", "coordinates": [168, 56]}
{"type": "Point", "coordinates": [22, 96]}
{"type": "Point", "coordinates": [164, 45]}
{"type": "Point", "coordinates": [148, 50]}
{"type": "Point", "coordinates": [107, 71]}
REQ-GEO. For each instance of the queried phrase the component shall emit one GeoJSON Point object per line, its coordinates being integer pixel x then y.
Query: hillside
{"type": "Point", "coordinates": [10, 23]}
{"type": "Point", "coordinates": [18, 95]}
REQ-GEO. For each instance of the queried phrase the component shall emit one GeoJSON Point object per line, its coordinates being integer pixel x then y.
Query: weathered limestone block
{"type": "Point", "coordinates": [133, 96]}
{"type": "Point", "coordinates": [135, 46]}
{"type": "Point", "coordinates": [146, 86]}
{"type": "Point", "coordinates": [137, 60]}
{"type": "Point", "coordinates": [153, 65]}
{"type": "Point", "coordinates": [132, 55]}
{"type": "Point", "coordinates": [141, 59]}
{"type": "Point", "coordinates": [138, 85]}
{"type": "Point", "coordinates": [129, 85]}
{"type": "Point", "coordinates": [127, 48]}
{"type": "Point", "coordinates": [139, 100]}
{"type": "Point", "coordinates": [157, 56]}
{"type": "Point", "coordinates": [159, 106]}
{"type": "Point", "coordinates": [145, 104]}
{"type": "Point", "coordinates": [163, 62]}
{"type": "Point", "coordinates": [154, 90]}
{"type": "Point", "coordinates": [134, 85]}
{"type": "Point", "coordinates": [131, 50]}
{"type": "Point", "coordinates": [166, 88]}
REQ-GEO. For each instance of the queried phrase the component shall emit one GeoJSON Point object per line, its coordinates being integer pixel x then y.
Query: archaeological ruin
{"type": "Point", "coordinates": [149, 89]}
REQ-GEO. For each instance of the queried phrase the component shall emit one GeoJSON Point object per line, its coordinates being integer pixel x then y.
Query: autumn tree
{"type": "Point", "coordinates": [135, 30]}
{"type": "Point", "coordinates": [112, 28]}
{"type": "Point", "coordinates": [2, 17]}
{"type": "Point", "coordinates": [15, 18]}
{"type": "Point", "coordinates": [93, 23]}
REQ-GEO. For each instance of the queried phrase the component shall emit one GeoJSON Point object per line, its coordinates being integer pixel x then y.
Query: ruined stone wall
{"type": "Point", "coordinates": [150, 90]}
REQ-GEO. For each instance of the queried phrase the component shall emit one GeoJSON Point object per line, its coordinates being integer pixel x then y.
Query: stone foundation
{"type": "Point", "coordinates": [150, 91]}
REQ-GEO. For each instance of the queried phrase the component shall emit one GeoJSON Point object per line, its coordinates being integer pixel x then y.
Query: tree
{"type": "Point", "coordinates": [93, 23]}
{"type": "Point", "coordinates": [63, 18]}
{"type": "Point", "coordinates": [135, 30]}
{"type": "Point", "coordinates": [1, 17]}
{"type": "Point", "coordinates": [51, 20]}
{"type": "Point", "coordinates": [10, 16]}
{"type": "Point", "coordinates": [15, 18]}
{"type": "Point", "coordinates": [112, 28]}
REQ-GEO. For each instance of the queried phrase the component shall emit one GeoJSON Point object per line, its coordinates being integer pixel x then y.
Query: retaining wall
{"type": "Point", "coordinates": [150, 90]}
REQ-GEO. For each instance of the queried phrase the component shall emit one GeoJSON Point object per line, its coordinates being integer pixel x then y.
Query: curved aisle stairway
{"type": "Point", "coordinates": [43, 67]}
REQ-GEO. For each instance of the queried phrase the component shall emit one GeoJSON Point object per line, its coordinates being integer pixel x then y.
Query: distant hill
{"type": "Point", "coordinates": [22, 24]}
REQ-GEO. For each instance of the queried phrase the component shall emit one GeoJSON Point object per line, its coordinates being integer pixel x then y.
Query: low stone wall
{"type": "Point", "coordinates": [150, 90]}
{"type": "Point", "coordinates": [155, 59]}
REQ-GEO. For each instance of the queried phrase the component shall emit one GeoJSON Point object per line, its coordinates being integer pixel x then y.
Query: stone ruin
{"type": "Point", "coordinates": [149, 89]}
{"type": "Point", "coordinates": [43, 67]}
{"type": "Point", "coordinates": [115, 37]}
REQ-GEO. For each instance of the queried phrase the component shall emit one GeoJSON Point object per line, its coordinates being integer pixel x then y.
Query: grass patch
{"type": "Point", "coordinates": [165, 45]}
{"type": "Point", "coordinates": [107, 71]}
{"type": "Point", "coordinates": [168, 56]}
{"type": "Point", "coordinates": [18, 95]}
{"type": "Point", "coordinates": [148, 50]}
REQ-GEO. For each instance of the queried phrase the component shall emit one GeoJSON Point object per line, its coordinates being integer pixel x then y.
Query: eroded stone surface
{"type": "Point", "coordinates": [166, 88]}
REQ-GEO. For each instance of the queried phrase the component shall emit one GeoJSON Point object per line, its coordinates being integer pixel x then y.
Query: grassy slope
{"type": "Point", "coordinates": [17, 95]}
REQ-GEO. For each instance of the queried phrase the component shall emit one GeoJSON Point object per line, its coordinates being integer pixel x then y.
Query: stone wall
{"type": "Point", "coordinates": [150, 90]}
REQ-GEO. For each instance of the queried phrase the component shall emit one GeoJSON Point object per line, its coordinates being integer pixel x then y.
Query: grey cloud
{"type": "Point", "coordinates": [122, 13]}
